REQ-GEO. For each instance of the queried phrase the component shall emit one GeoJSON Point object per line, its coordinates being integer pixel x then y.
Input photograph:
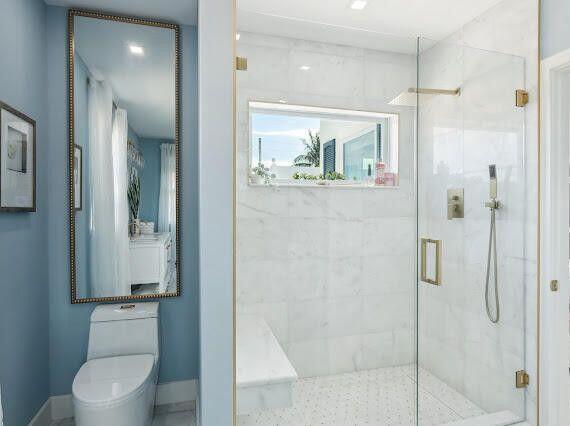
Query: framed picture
{"type": "Point", "coordinates": [78, 177]}
{"type": "Point", "coordinates": [17, 161]}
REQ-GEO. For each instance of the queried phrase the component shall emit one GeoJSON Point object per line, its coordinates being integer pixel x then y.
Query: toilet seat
{"type": "Point", "coordinates": [113, 380]}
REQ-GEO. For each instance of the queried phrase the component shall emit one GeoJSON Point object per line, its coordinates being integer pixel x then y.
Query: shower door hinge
{"type": "Point", "coordinates": [522, 379]}
{"type": "Point", "coordinates": [241, 63]}
{"type": "Point", "coordinates": [521, 98]}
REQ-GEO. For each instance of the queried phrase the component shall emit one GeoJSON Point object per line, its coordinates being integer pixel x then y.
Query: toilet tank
{"type": "Point", "coordinates": [124, 329]}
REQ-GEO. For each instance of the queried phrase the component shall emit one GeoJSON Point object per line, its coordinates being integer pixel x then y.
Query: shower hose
{"type": "Point", "coordinates": [492, 250]}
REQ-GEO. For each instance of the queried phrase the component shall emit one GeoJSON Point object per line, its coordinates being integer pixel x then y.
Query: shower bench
{"type": "Point", "coordinates": [265, 375]}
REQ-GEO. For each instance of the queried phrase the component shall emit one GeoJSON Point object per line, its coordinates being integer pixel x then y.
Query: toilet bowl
{"type": "Point", "coordinates": [117, 384]}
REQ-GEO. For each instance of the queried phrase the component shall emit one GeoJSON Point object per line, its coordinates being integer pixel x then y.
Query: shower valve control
{"type": "Point", "coordinates": [455, 203]}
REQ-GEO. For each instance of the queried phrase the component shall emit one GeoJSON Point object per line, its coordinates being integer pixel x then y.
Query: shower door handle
{"type": "Point", "coordinates": [435, 280]}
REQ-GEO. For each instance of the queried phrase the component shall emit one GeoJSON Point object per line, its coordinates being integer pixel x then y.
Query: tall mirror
{"type": "Point", "coordinates": [124, 157]}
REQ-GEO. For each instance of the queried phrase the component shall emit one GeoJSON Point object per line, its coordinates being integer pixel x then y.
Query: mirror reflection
{"type": "Point", "coordinates": [124, 158]}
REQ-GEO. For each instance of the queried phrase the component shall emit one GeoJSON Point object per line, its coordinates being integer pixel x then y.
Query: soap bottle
{"type": "Point", "coordinates": [380, 173]}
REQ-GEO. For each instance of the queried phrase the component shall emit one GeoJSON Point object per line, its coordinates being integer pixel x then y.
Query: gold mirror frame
{"type": "Point", "coordinates": [72, 13]}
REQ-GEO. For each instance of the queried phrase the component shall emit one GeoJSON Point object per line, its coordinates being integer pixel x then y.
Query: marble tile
{"type": "Point", "coordinates": [447, 395]}
{"type": "Point", "coordinates": [307, 257]}
{"type": "Point", "coordinates": [274, 313]}
{"type": "Point", "coordinates": [263, 397]}
{"type": "Point", "coordinates": [458, 344]}
{"type": "Point", "coordinates": [385, 396]}
{"type": "Point", "coordinates": [346, 258]}
{"type": "Point", "coordinates": [327, 75]}
{"type": "Point", "coordinates": [499, 418]}
{"type": "Point", "coordinates": [260, 358]}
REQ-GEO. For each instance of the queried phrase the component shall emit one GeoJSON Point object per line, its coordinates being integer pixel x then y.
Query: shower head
{"type": "Point", "coordinates": [410, 97]}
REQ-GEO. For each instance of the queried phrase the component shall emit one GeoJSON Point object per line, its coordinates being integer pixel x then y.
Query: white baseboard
{"type": "Point", "coordinates": [43, 416]}
{"type": "Point", "coordinates": [61, 406]}
{"type": "Point", "coordinates": [175, 392]}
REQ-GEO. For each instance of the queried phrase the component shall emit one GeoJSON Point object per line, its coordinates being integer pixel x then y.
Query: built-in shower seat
{"type": "Point", "coordinates": [265, 375]}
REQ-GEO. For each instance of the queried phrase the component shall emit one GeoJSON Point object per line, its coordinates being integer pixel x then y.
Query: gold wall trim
{"type": "Point", "coordinates": [539, 209]}
{"type": "Point", "coordinates": [234, 183]}
{"type": "Point", "coordinates": [71, 14]}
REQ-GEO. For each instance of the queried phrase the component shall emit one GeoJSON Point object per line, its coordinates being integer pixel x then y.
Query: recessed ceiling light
{"type": "Point", "coordinates": [304, 68]}
{"type": "Point", "coordinates": [238, 36]}
{"type": "Point", "coordinates": [358, 4]}
{"type": "Point", "coordinates": [136, 50]}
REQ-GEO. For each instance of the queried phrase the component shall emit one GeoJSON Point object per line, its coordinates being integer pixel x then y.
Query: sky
{"type": "Point", "coordinates": [280, 137]}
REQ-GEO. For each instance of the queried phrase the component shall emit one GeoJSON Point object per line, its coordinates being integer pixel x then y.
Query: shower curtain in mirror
{"type": "Point", "coordinates": [167, 197]}
{"type": "Point", "coordinates": [120, 177]}
{"type": "Point", "coordinates": [107, 238]}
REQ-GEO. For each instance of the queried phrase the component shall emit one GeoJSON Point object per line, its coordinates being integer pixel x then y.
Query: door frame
{"type": "Point", "coordinates": [554, 239]}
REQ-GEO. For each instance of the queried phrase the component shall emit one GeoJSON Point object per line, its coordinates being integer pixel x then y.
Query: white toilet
{"type": "Point", "coordinates": [117, 384]}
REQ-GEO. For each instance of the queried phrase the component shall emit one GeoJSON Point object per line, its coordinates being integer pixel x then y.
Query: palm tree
{"type": "Point", "coordinates": [312, 156]}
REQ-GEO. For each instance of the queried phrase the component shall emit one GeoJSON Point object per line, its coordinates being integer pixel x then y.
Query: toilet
{"type": "Point", "coordinates": [117, 384]}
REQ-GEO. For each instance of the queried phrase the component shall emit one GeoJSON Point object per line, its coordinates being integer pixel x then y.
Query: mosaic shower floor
{"type": "Point", "coordinates": [384, 396]}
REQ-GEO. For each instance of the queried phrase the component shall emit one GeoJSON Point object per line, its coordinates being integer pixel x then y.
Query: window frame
{"type": "Point", "coordinates": [390, 130]}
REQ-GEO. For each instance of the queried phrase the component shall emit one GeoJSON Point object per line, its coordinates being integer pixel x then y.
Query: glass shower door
{"type": "Point", "coordinates": [468, 121]}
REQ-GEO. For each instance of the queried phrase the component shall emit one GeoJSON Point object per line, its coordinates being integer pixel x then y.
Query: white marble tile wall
{"type": "Point", "coordinates": [458, 138]}
{"type": "Point", "coordinates": [330, 269]}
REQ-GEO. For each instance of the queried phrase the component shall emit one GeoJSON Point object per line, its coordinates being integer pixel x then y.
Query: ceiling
{"type": "Point", "coordinates": [177, 11]}
{"type": "Point", "coordinates": [383, 24]}
{"type": "Point", "coordinates": [142, 85]}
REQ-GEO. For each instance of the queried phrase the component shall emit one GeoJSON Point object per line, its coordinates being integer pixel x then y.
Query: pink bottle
{"type": "Point", "coordinates": [380, 173]}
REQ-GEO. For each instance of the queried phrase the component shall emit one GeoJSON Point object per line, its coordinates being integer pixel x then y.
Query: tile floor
{"type": "Point", "coordinates": [384, 396]}
{"type": "Point", "coordinates": [380, 397]}
{"type": "Point", "coordinates": [180, 418]}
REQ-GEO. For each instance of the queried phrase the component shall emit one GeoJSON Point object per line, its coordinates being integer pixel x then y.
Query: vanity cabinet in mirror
{"type": "Point", "coordinates": [124, 185]}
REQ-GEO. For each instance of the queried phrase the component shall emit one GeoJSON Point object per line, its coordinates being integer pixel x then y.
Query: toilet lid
{"type": "Point", "coordinates": [106, 380]}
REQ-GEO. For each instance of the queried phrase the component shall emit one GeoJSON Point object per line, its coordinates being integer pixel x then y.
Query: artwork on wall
{"type": "Point", "coordinates": [78, 177]}
{"type": "Point", "coordinates": [17, 161]}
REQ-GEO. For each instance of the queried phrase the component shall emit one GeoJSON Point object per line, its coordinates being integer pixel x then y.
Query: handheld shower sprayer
{"type": "Point", "coordinates": [493, 204]}
{"type": "Point", "coordinates": [493, 180]}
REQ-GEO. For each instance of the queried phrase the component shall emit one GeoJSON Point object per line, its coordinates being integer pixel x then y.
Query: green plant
{"type": "Point", "coordinates": [262, 171]}
{"type": "Point", "coordinates": [331, 175]}
{"type": "Point", "coordinates": [134, 196]}
{"type": "Point", "coordinates": [305, 176]}
{"type": "Point", "coordinates": [327, 176]}
{"type": "Point", "coordinates": [312, 155]}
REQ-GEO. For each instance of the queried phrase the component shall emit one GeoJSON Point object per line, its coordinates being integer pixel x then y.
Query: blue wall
{"type": "Point", "coordinates": [555, 26]}
{"type": "Point", "coordinates": [24, 286]}
{"type": "Point", "coordinates": [150, 178]}
{"type": "Point", "coordinates": [69, 324]}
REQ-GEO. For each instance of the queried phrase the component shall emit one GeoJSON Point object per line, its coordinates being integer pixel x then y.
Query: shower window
{"type": "Point", "coordinates": [361, 153]}
{"type": "Point", "coordinates": [293, 144]}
